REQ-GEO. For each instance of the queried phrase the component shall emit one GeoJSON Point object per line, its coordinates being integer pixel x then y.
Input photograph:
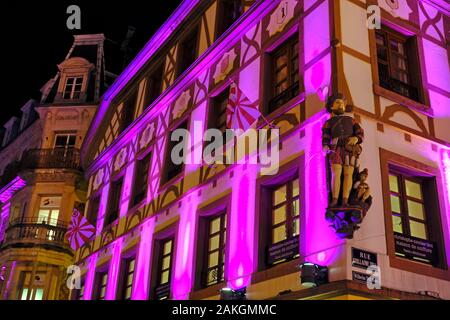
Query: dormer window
{"type": "Point", "coordinates": [72, 90]}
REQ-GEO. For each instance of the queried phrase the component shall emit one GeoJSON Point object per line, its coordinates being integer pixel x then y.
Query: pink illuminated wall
{"type": "Point", "coordinates": [445, 174]}
{"type": "Point", "coordinates": [240, 264]}
{"type": "Point", "coordinates": [114, 269]}
{"type": "Point", "coordinates": [141, 282]}
{"type": "Point", "coordinates": [320, 240]}
{"type": "Point", "coordinates": [127, 189]}
{"type": "Point", "coordinates": [183, 272]}
{"type": "Point", "coordinates": [90, 277]}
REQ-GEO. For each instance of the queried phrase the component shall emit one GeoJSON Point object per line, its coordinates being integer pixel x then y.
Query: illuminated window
{"type": "Point", "coordinates": [31, 288]}
{"type": "Point", "coordinates": [164, 269]}
{"type": "Point", "coordinates": [127, 278]}
{"type": "Point", "coordinates": [285, 73]}
{"type": "Point", "coordinates": [285, 211]}
{"type": "Point", "coordinates": [141, 179]}
{"type": "Point", "coordinates": [72, 90]}
{"type": "Point", "coordinates": [397, 64]}
{"type": "Point", "coordinates": [215, 257]}
{"type": "Point", "coordinates": [407, 206]}
{"type": "Point", "coordinates": [49, 210]}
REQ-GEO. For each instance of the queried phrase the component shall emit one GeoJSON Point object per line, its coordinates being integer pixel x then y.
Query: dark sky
{"type": "Point", "coordinates": [35, 38]}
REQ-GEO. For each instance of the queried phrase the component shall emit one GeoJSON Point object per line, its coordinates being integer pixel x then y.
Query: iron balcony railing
{"type": "Point", "coordinates": [29, 232]}
{"type": "Point", "coordinates": [58, 158]}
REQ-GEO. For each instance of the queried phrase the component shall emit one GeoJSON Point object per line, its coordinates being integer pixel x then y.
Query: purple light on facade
{"type": "Point", "coordinates": [90, 277]}
{"type": "Point", "coordinates": [11, 188]}
{"type": "Point", "coordinates": [241, 227]}
{"type": "Point", "coordinates": [10, 280]}
{"type": "Point", "coordinates": [4, 220]}
{"type": "Point", "coordinates": [183, 278]}
{"type": "Point", "coordinates": [445, 174]}
{"type": "Point", "coordinates": [114, 268]}
{"type": "Point", "coordinates": [125, 197]}
{"type": "Point", "coordinates": [143, 262]}
{"type": "Point", "coordinates": [103, 208]}
{"type": "Point", "coordinates": [320, 240]}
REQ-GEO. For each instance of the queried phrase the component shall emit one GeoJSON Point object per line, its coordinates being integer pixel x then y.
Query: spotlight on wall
{"type": "Point", "coordinates": [313, 275]}
{"type": "Point", "coordinates": [230, 294]}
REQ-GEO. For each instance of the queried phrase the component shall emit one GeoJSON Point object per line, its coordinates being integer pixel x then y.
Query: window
{"type": "Point", "coordinates": [141, 181]}
{"type": "Point", "coordinates": [31, 289]}
{"type": "Point", "coordinates": [164, 269]}
{"type": "Point", "coordinates": [100, 286]}
{"type": "Point", "coordinates": [285, 74]}
{"type": "Point", "coordinates": [172, 170]}
{"type": "Point", "coordinates": [128, 110]}
{"type": "Point", "coordinates": [407, 206]}
{"type": "Point", "coordinates": [49, 210]}
{"type": "Point", "coordinates": [215, 257]}
{"type": "Point", "coordinates": [65, 141]}
{"type": "Point", "coordinates": [114, 201]}
{"type": "Point", "coordinates": [94, 207]}
{"type": "Point", "coordinates": [127, 278]}
{"type": "Point", "coordinates": [187, 51]}
{"type": "Point", "coordinates": [73, 87]}
{"type": "Point", "coordinates": [154, 86]}
{"type": "Point", "coordinates": [285, 211]}
{"type": "Point", "coordinates": [397, 63]}
{"type": "Point", "coordinates": [229, 11]}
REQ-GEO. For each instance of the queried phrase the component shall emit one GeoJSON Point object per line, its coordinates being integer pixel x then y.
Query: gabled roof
{"type": "Point", "coordinates": [90, 47]}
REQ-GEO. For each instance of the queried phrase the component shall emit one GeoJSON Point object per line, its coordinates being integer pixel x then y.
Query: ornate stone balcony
{"type": "Point", "coordinates": [59, 158]}
{"type": "Point", "coordinates": [26, 233]}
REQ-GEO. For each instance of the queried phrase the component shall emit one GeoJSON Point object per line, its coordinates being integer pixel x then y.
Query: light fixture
{"type": "Point", "coordinates": [313, 275]}
{"type": "Point", "coordinates": [230, 294]}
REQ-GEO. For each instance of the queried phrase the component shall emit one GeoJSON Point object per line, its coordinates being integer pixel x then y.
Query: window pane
{"type": "Point", "coordinates": [296, 227]}
{"type": "Point", "coordinates": [281, 61]}
{"type": "Point", "coordinates": [397, 224]}
{"type": "Point", "coordinates": [279, 195]}
{"type": "Point", "coordinates": [214, 226]}
{"type": "Point", "coordinates": [418, 230]}
{"type": "Point", "coordinates": [395, 204]}
{"type": "Point", "coordinates": [413, 189]}
{"type": "Point", "coordinates": [166, 263]}
{"type": "Point", "coordinates": [213, 259]}
{"type": "Point", "coordinates": [131, 265]}
{"type": "Point", "coordinates": [128, 293]}
{"type": "Point", "coordinates": [165, 277]}
{"type": "Point", "coordinates": [279, 215]}
{"type": "Point", "coordinates": [39, 294]}
{"type": "Point", "coordinates": [167, 247]}
{"type": "Point", "coordinates": [393, 183]}
{"type": "Point", "coordinates": [415, 210]}
{"type": "Point", "coordinates": [214, 243]}
{"type": "Point", "coordinates": [24, 294]}
{"type": "Point", "coordinates": [295, 188]}
{"type": "Point", "coordinates": [279, 234]}
{"type": "Point", "coordinates": [296, 208]}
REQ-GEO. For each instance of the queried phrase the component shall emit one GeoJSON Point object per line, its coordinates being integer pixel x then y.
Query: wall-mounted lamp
{"type": "Point", "coordinates": [313, 275]}
{"type": "Point", "coordinates": [230, 294]}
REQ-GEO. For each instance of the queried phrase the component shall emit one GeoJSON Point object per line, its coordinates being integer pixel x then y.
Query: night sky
{"type": "Point", "coordinates": [35, 38]}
